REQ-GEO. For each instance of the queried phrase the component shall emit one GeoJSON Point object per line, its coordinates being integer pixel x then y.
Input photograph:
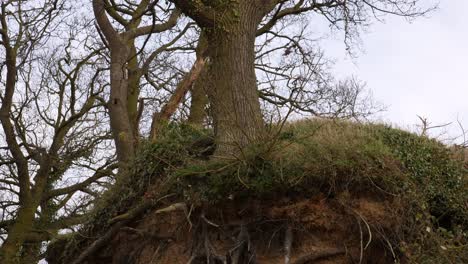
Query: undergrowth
{"type": "Point", "coordinates": [306, 158]}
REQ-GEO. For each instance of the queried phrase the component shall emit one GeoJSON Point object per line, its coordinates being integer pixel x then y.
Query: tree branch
{"type": "Point", "coordinates": [170, 23]}
{"type": "Point", "coordinates": [100, 173]}
{"type": "Point", "coordinates": [205, 16]}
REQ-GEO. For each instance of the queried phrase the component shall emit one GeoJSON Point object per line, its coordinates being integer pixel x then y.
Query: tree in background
{"type": "Point", "coordinates": [132, 52]}
{"type": "Point", "coordinates": [52, 118]}
{"type": "Point", "coordinates": [125, 71]}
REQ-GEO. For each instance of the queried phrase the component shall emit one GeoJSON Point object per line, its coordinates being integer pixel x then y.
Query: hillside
{"type": "Point", "coordinates": [316, 192]}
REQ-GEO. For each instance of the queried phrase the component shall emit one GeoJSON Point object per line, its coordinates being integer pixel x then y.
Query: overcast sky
{"type": "Point", "coordinates": [418, 68]}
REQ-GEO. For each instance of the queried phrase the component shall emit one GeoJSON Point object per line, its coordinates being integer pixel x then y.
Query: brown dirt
{"type": "Point", "coordinates": [319, 224]}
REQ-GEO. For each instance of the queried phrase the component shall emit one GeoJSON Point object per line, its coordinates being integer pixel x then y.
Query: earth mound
{"type": "Point", "coordinates": [317, 192]}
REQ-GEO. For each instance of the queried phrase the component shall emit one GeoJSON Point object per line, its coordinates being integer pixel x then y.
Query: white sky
{"type": "Point", "coordinates": [417, 68]}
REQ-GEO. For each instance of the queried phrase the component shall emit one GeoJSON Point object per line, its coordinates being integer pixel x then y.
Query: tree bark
{"type": "Point", "coordinates": [133, 90]}
{"type": "Point", "coordinates": [26, 210]}
{"type": "Point", "coordinates": [11, 248]}
{"type": "Point", "coordinates": [198, 102]}
{"type": "Point", "coordinates": [199, 99]}
{"type": "Point", "coordinates": [232, 85]}
{"type": "Point", "coordinates": [118, 107]}
{"type": "Point", "coordinates": [125, 72]}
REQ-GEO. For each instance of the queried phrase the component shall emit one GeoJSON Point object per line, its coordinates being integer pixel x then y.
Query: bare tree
{"type": "Point", "coordinates": [129, 64]}
{"type": "Point", "coordinates": [51, 118]}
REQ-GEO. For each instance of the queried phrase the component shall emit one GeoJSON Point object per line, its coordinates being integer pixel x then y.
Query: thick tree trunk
{"type": "Point", "coordinates": [233, 86]}
{"type": "Point", "coordinates": [30, 253]}
{"type": "Point", "coordinates": [231, 28]}
{"type": "Point", "coordinates": [133, 90]}
{"type": "Point", "coordinates": [11, 248]}
{"type": "Point", "coordinates": [118, 107]}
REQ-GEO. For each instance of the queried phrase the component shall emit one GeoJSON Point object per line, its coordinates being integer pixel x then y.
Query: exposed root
{"type": "Point", "coordinates": [173, 207]}
{"type": "Point", "coordinates": [203, 251]}
{"type": "Point", "coordinates": [99, 243]}
{"type": "Point", "coordinates": [145, 234]}
{"type": "Point", "coordinates": [243, 252]}
{"type": "Point", "coordinates": [360, 218]}
{"type": "Point", "coordinates": [328, 253]}
{"type": "Point", "coordinates": [118, 223]}
{"type": "Point", "coordinates": [138, 210]}
{"type": "Point", "coordinates": [388, 244]}
{"type": "Point", "coordinates": [288, 239]}
{"type": "Point", "coordinates": [208, 221]}
{"type": "Point", "coordinates": [158, 252]}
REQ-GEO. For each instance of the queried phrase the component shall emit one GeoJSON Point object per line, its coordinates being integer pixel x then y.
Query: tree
{"type": "Point", "coordinates": [294, 78]}
{"type": "Point", "coordinates": [128, 65]}
{"type": "Point", "coordinates": [232, 27]}
{"type": "Point", "coordinates": [51, 115]}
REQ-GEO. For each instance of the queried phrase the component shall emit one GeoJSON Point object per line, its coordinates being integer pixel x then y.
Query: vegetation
{"type": "Point", "coordinates": [307, 158]}
{"type": "Point", "coordinates": [116, 109]}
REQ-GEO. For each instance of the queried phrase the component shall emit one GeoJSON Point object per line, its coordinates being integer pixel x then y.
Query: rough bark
{"type": "Point", "coordinates": [232, 88]}
{"type": "Point", "coordinates": [198, 103]}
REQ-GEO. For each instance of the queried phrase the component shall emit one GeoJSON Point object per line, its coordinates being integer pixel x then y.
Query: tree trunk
{"type": "Point", "coordinates": [198, 102]}
{"type": "Point", "coordinates": [30, 253]}
{"type": "Point", "coordinates": [199, 99]}
{"type": "Point", "coordinates": [11, 248]}
{"type": "Point", "coordinates": [133, 90]}
{"type": "Point", "coordinates": [118, 109]}
{"type": "Point", "coordinates": [232, 82]}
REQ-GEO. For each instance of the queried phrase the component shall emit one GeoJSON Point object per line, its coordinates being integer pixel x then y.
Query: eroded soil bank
{"type": "Point", "coordinates": [318, 229]}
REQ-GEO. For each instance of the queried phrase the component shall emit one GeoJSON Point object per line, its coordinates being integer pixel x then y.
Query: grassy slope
{"type": "Point", "coordinates": [309, 157]}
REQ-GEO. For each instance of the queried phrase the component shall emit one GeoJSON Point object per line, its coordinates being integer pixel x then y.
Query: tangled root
{"type": "Point", "coordinates": [243, 249]}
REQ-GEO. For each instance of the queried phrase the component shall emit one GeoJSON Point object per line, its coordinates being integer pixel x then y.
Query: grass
{"type": "Point", "coordinates": [309, 157]}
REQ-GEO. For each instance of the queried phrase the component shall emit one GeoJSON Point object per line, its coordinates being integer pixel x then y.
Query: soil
{"type": "Point", "coordinates": [348, 228]}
